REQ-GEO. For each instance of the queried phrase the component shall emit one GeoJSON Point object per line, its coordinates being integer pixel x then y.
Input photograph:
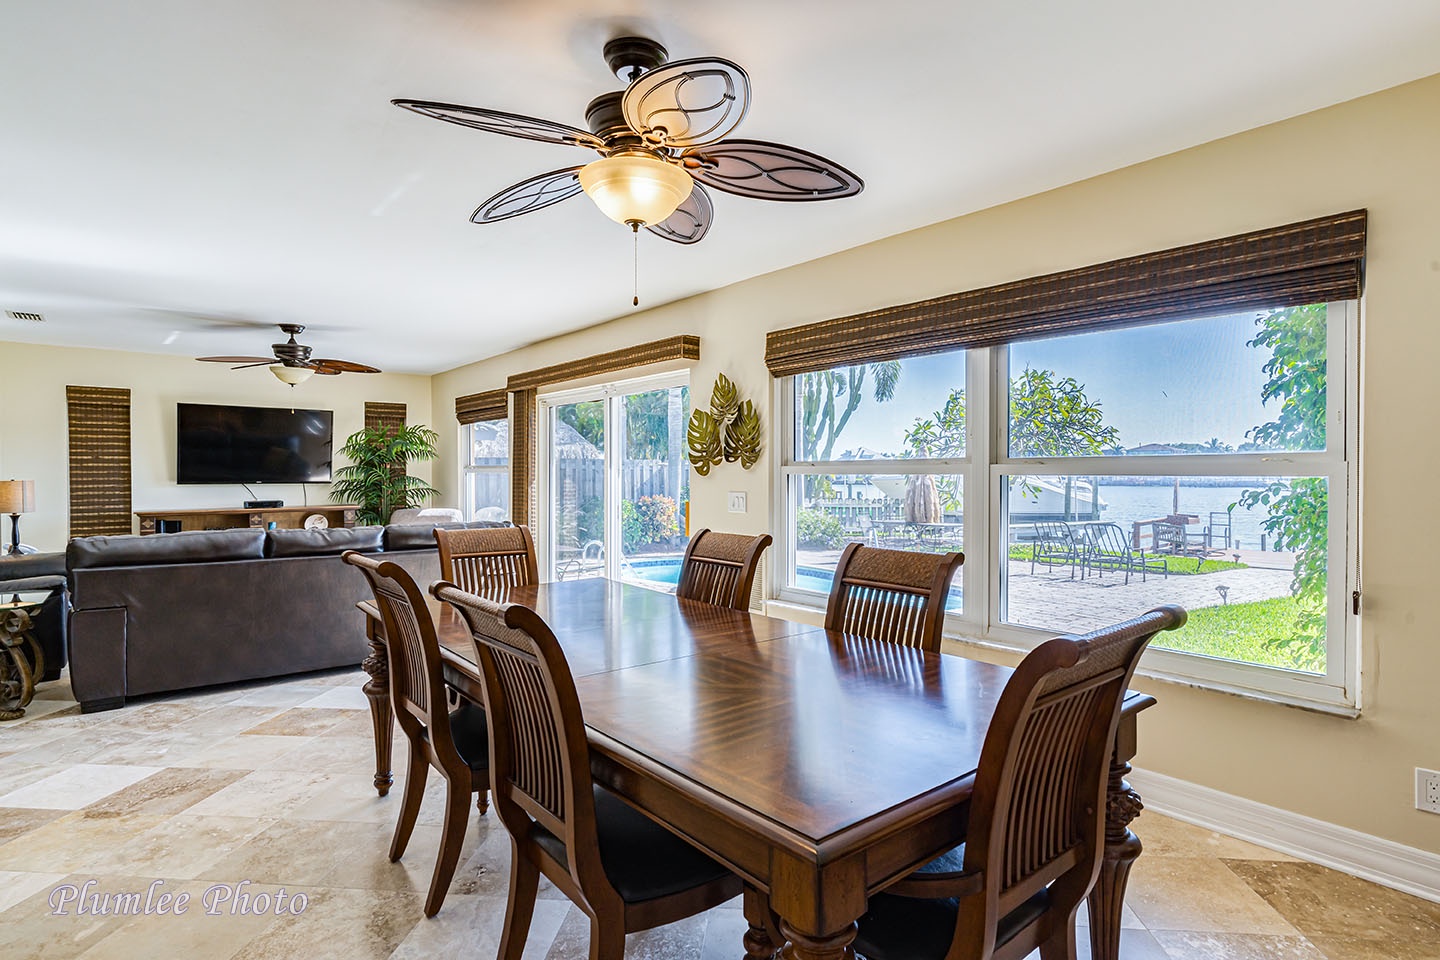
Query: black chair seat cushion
{"type": "Point", "coordinates": [471, 735]}
{"type": "Point", "coordinates": [905, 928]}
{"type": "Point", "coordinates": [642, 859]}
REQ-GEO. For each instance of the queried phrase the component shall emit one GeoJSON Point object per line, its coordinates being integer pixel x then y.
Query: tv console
{"type": "Point", "coordinates": [223, 518]}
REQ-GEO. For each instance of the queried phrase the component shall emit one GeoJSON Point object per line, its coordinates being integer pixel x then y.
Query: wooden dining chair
{"type": "Point", "coordinates": [624, 870]}
{"type": "Point", "coordinates": [484, 559]}
{"type": "Point", "coordinates": [1036, 830]}
{"type": "Point", "coordinates": [455, 743]}
{"type": "Point", "coordinates": [719, 568]}
{"type": "Point", "coordinates": [893, 595]}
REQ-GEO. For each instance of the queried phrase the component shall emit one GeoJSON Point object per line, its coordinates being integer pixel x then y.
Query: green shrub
{"type": "Point", "coordinates": [819, 530]}
{"type": "Point", "coordinates": [647, 520]}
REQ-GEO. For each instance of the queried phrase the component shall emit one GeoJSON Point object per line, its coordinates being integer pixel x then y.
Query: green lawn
{"type": "Point", "coordinates": [1178, 566]}
{"type": "Point", "coordinates": [1237, 631]}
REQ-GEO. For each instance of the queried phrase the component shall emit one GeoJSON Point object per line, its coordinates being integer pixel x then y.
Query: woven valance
{"type": "Point", "coordinates": [384, 416]}
{"type": "Point", "coordinates": [1309, 262]}
{"type": "Point", "coordinates": [99, 427]}
{"type": "Point", "coordinates": [683, 347]}
{"type": "Point", "coordinates": [486, 405]}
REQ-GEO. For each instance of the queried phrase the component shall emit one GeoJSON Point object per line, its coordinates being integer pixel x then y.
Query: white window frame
{"type": "Point", "coordinates": [545, 406]}
{"type": "Point", "coordinates": [469, 470]}
{"type": "Point", "coordinates": [987, 463]}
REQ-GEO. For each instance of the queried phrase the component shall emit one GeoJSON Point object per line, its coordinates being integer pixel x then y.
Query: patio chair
{"type": "Point", "coordinates": [1217, 532]}
{"type": "Point", "coordinates": [1107, 548]}
{"type": "Point", "coordinates": [1055, 542]}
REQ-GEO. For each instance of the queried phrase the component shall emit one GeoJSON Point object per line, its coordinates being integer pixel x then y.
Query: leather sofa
{"type": "Point", "coordinates": [172, 611]}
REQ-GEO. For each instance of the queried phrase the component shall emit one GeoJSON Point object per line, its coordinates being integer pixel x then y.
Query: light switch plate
{"type": "Point", "coordinates": [737, 502]}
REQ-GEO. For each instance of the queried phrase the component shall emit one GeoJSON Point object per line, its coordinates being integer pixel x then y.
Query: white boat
{"type": "Point", "coordinates": [1031, 498]}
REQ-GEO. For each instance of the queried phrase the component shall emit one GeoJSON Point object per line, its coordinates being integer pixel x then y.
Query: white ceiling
{"type": "Point", "coordinates": [168, 162]}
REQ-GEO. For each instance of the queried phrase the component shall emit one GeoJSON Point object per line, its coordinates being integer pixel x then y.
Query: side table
{"type": "Point", "coordinates": [21, 659]}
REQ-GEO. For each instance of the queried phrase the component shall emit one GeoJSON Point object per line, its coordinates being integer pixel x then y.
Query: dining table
{"type": "Point", "coordinates": [818, 766]}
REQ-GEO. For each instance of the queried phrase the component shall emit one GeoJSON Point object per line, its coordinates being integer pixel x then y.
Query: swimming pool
{"type": "Point", "coordinates": [666, 570]}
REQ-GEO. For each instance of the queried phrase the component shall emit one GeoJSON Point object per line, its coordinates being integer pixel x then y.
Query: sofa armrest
{"type": "Point", "coordinates": [97, 658]}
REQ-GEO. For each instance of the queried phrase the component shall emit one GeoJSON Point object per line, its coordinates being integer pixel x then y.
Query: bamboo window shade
{"type": "Point", "coordinates": [384, 416]}
{"type": "Point", "coordinates": [524, 391]}
{"type": "Point", "coordinates": [486, 405]}
{"type": "Point", "coordinates": [1313, 261]}
{"type": "Point", "coordinates": [99, 427]}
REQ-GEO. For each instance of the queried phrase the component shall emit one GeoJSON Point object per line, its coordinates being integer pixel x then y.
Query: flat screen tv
{"type": "Point", "coordinates": [224, 444]}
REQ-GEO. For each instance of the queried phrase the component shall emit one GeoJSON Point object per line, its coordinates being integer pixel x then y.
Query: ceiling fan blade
{"type": "Point", "coordinates": [529, 195]}
{"type": "Point", "coordinates": [341, 366]}
{"type": "Point", "coordinates": [688, 102]}
{"type": "Point", "coordinates": [770, 171]}
{"type": "Point", "coordinates": [509, 124]}
{"type": "Point", "coordinates": [237, 359]}
{"type": "Point", "coordinates": [262, 363]}
{"type": "Point", "coordinates": [690, 221]}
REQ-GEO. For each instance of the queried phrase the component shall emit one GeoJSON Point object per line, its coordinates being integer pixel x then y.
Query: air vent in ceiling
{"type": "Point", "coordinates": [25, 315]}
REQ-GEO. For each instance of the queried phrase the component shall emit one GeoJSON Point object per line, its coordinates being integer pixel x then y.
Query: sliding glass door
{"type": "Point", "coordinates": [615, 489]}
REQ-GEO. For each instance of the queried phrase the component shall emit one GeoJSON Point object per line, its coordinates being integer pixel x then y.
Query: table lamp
{"type": "Point", "coordinates": [17, 497]}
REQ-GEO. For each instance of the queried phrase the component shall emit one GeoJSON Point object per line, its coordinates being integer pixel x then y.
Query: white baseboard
{"type": "Point", "coordinates": [1408, 869]}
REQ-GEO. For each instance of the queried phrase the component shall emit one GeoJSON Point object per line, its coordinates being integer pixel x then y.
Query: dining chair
{"type": "Point", "coordinates": [455, 743]}
{"type": "Point", "coordinates": [894, 595]}
{"type": "Point", "coordinates": [1036, 829]}
{"type": "Point", "coordinates": [719, 568]}
{"type": "Point", "coordinates": [626, 872]}
{"type": "Point", "coordinates": [484, 559]}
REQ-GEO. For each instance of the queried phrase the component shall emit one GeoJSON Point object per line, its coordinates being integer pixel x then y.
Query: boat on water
{"type": "Point", "coordinates": [1031, 498]}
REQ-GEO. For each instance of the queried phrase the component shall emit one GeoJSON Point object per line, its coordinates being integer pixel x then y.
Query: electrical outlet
{"type": "Point", "coordinates": [1427, 790]}
{"type": "Point", "coordinates": [737, 502]}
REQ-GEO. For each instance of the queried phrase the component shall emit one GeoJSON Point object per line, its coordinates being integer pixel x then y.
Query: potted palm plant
{"type": "Point", "coordinates": [376, 480]}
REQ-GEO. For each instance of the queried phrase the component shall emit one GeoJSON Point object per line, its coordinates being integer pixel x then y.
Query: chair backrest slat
{"type": "Point", "coordinates": [891, 595]}
{"type": "Point", "coordinates": [417, 687]}
{"type": "Point", "coordinates": [1038, 809]}
{"type": "Point", "coordinates": [487, 560]}
{"type": "Point", "coordinates": [539, 754]}
{"type": "Point", "coordinates": [719, 568]}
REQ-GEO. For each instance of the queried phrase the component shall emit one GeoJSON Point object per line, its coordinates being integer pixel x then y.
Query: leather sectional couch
{"type": "Point", "coordinates": [172, 611]}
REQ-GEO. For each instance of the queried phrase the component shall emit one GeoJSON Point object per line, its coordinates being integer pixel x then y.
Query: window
{"type": "Point", "coordinates": [615, 481]}
{"type": "Point", "coordinates": [1205, 462]}
{"type": "Point", "coordinates": [487, 470]}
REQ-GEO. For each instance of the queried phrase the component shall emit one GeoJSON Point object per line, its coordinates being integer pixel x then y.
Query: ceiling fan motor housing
{"type": "Point", "coordinates": [631, 57]}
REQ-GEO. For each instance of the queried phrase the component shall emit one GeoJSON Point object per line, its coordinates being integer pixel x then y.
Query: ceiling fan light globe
{"type": "Point", "coordinates": [291, 375]}
{"type": "Point", "coordinates": [633, 189]}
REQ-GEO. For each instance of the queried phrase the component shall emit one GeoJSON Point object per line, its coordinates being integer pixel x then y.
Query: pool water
{"type": "Point", "coordinates": [666, 570]}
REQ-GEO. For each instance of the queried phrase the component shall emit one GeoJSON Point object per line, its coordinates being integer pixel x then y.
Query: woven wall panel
{"type": "Point", "coordinates": [522, 457]}
{"type": "Point", "coordinates": [99, 420]}
{"type": "Point", "coordinates": [486, 405]}
{"type": "Point", "coordinates": [682, 347]}
{"type": "Point", "coordinates": [1309, 262]}
{"type": "Point", "coordinates": [390, 416]}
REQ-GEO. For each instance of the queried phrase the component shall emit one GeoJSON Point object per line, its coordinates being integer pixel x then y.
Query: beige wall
{"type": "Point", "coordinates": [33, 440]}
{"type": "Point", "coordinates": [1378, 152]}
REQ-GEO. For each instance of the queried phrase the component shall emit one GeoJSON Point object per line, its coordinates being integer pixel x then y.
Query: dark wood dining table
{"type": "Point", "coordinates": [818, 766]}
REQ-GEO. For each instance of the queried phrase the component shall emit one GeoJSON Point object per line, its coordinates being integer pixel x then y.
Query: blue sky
{"type": "Point", "coordinates": [1173, 382]}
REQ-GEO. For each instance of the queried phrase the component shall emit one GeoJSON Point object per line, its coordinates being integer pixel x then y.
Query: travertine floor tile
{"type": "Point", "coordinates": [349, 924]}
{"type": "Point", "coordinates": [1194, 893]}
{"type": "Point", "coordinates": [76, 787]}
{"type": "Point", "coordinates": [168, 791]}
{"type": "Point", "coordinates": [470, 926]}
{"type": "Point", "coordinates": [1335, 948]}
{"type": "Point", "coordinates": [273, 793]}
{"type": "Point", "coordinates": [1325, 903]}
{"type": "Point", "coordinates": [16, 886]}
{"type": "Point", "coordinates": [1187, 945]}
{"type": "Point", "coordinates": [346, 697]}
{"type": "Point", "coordinates": [194, 933]}
{"type": "Point", "coordinates": [298, 722]}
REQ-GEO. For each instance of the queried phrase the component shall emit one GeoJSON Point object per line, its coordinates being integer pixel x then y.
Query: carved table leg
{"type": "Point", "coordinates": [760, 939]}
{"type": "Point", "coordinates": [831, 946]}
{"type": "Point", "coordinates": [377, 688]}
{"type": "Point", "coordinates": [17, 679]}
{"type": "Point", "coordinates": [1122, 805]}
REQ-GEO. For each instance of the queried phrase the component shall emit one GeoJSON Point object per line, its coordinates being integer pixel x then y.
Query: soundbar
{"type": "Point", "coordinates": [263, 504]}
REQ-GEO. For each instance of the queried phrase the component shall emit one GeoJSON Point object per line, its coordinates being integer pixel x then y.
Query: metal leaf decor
{"type": "Point", "coordinates": [742, 436]}
{"type": "Point", "coordinates": [724, 399]}
{"type": "Point", "coordinates": [703, 438]}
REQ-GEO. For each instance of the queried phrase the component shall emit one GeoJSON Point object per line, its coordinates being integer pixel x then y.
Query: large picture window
{"type": "Point", "coordinates": [1089, 477]}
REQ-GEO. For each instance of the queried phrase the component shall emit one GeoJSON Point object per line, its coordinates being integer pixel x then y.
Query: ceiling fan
{"type": "Point", "coordinates": [660, 139]}
{"type": "Point", "coordinates": [291, 363]}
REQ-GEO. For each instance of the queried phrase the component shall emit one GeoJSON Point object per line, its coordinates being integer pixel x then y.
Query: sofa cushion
{"type": "Point", "coordinates": [30, 565]}
{"type": "Point", "coordinates": [314, 543]}
{"type": "Point", "coordinates": [191, 546]}
{"type": "Point", "coordinates": [421, 536]}
{"type": "Point", "coordinates": [430, 515]}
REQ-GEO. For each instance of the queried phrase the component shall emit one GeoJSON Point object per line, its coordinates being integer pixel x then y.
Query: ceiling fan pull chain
{"type": "Point", "coordinates": [635, 230]}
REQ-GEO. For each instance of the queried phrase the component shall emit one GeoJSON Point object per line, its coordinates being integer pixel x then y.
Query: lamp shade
{"type": "Point", "coordinates": [17, 496]}
{"type": "Point", "coordinates": [291, 375]}
{"type": "Point", "coordinates": [635, 188]}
